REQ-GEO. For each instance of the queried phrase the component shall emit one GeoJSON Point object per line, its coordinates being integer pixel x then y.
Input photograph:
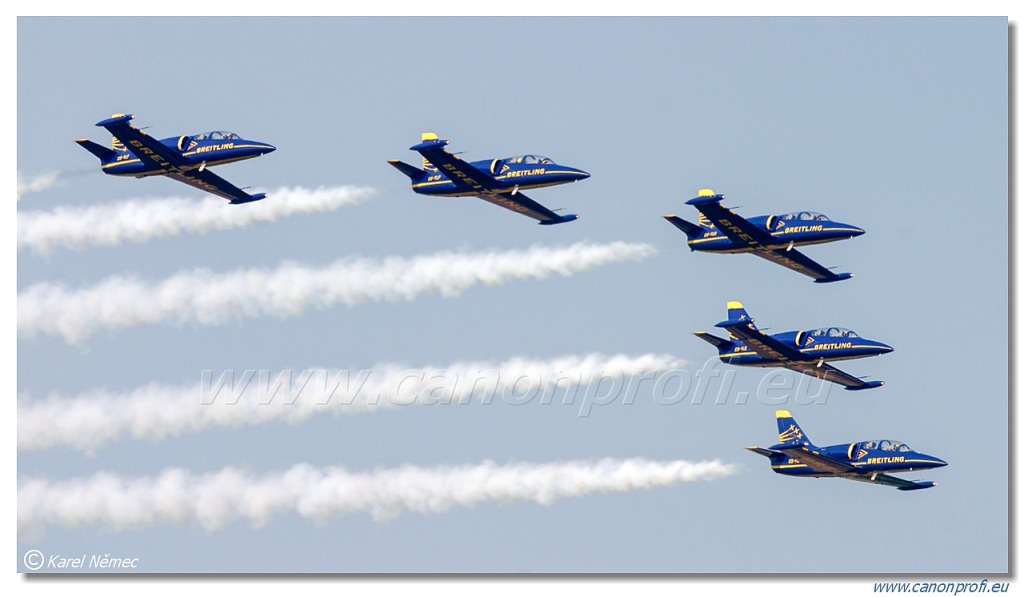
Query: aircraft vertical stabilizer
{"type": "Point", "coordinates": [702, 219]}
{"type": "Point", "coordinates": [428, 137]}
{"type": "Point", "coordinates": [737, 312]}
{"type": "Point", "coordinates": [790, 433]}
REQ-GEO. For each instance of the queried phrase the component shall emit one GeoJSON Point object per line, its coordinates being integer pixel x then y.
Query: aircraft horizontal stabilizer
{"type": "Point", "coordinates": [705, 199]}
{"type": "Point", "coordinates": [103, 153]}
{"type": "Point", "coordinates": [115, 119]}
{"type": "Point", "coordinates": [687, 227]}
{"type": "Point", "coordinates": [731, 323]}
{"type": "Point", "coordinates": [763, 452]}
{"type": "Point", "coordinates": [412, 172]}
{"type": "Point", "coordinates": [434, 143]}
{"type": "Point", "coordinates": [713, 339]}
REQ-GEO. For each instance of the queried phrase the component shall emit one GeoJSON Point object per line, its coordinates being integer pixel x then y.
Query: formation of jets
{"type": "Point", "coordinates": [718, 230]}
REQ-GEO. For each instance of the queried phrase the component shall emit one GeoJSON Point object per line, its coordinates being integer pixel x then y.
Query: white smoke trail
{"type": "Point", "coordinates": [204, 297]}
{"type": "Point", "coordinates": [141, 220]}
{"type": "Point", "coordinates": [37, 183]}
{"type": "Point", "coordinates": [214, 500]}
{"type": "Point", "coordinates": [156, 411]}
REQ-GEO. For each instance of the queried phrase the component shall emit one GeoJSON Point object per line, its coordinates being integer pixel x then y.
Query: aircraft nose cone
{"type": "Point", "coordinates": [581, 175]}
{"type": "Point", "coordinates": [857, 231]}
{"type": "Point", "coordinates": [885, 347]}
{"type": "Point", "coordinates": [268, 148]}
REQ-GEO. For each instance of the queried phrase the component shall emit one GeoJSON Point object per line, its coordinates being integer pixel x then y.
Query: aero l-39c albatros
{"type": "Point", "coordinates": [498, 181]}
{"type": "Point", "coordinates": [721, 230]}
{"type": "Point", "coordinates": [805, 351]}
{"type": "Point", "coordinates": [868, 461]}
{"type": "Point", "coordinates": [184, 158]}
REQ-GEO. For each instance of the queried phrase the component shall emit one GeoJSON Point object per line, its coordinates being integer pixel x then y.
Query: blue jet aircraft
{"type": "Point", "coordinates": [183, 158]}
{"type": "Point", "coordinates": [498, 181]}
{"type": "Point", "coordinates": [720, 230]}
{"type": "Point", "coordinates": [867, 461]}
{"type": "Point", "coordinates": [802, 351]}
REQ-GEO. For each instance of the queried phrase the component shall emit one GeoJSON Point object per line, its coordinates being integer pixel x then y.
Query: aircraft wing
{"type": "Point", "coordinates": [882, 479]}
{"type": "Point", "coordinates": [211, 183]}
{"type": "Point", "coordinates": [824, 464]}
{"type": "Point", "coordinates": [469, 179]}
{"type": "Point", "coordinates": [829, 373]}
{"type": "Point", "coordinates": [763, 344]}
{"type": "Point", "coordinates": [797, 261]}
{"type": "Point", "coordinates": [150, 151]}
{"type": "Point", "coordinates": [760, 241]}
{"type": "Point", "coordinates": [736, 227]}
{"type": "Point", "coordinates": [817, 461]}
{"type": "Point", "coordinates": [520, 203]}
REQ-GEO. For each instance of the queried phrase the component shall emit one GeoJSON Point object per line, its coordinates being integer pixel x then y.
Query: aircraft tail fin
{"type": "Point", "coordinates": [414, 173]}
{"type": "Point", "coordinates": [704, 197]}
{"type": "Point", "coordinates": [116, 118]}
{"type": "Point", "coordinates": [424, 138]}
{"type": "Point", "coordinates": [103, 153]}
{"type": "Point", "coordinates": [790, 433]}
{"type": "Point", "coordinates": [737, 312]}
{"type": "Point", "coordinates": [738, 316]}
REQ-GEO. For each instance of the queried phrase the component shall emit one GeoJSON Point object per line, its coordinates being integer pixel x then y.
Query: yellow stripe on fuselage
{"type": "Point", "coordinates": [545, 173]}
{"type": "Point", "coordinates": [776, 467]}
{"type": "Point", "coordinates": [197, 152]}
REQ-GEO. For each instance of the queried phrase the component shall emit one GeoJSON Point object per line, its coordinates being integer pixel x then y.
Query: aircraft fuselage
{"type": "Point", "coordinates": [815, 347]}
{"type": "Point", "coordinates": [196, 153]}
{"type": "Point", "coordinates": [511, 176]}
{"type": "Point", "coordinates": [866, 457]}
{"type": "Point", "coordinates": [796, 233]}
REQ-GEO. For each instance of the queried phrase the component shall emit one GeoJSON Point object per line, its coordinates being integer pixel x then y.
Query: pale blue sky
{"type": "Point", "coordinates": [898, 126]}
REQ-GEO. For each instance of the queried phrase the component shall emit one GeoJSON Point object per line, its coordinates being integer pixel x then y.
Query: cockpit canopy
{"type": "Point", "coordinates": [834, 333]}
{"type": "Point", "coordinates": [528, 159]}
{"type": "Point", "coordinates": [886, 445]}
{"type": "Point", "coordinates": [805, 216]}
{"type": "Point", "coordinates": [215, 136]}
